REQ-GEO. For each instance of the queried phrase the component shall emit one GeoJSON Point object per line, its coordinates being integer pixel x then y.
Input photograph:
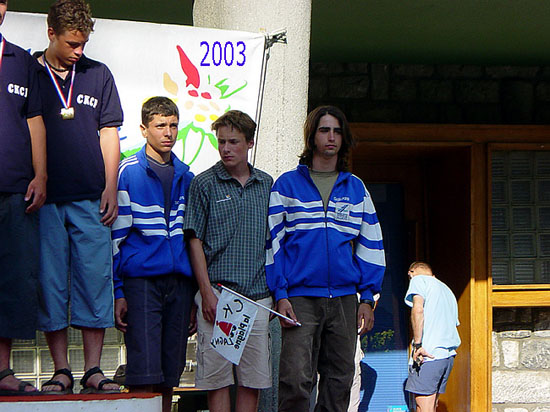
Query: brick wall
{"type": "Point", "coordinates": [433, 93]}
{"type": "Point", "coordinates": [521, 360]}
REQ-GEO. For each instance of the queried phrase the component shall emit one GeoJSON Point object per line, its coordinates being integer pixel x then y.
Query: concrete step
{"type": "Point", "coordinates": [123, 402]}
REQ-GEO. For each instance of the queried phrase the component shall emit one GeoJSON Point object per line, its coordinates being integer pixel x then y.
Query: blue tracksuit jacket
{"type": "Point", "coordinates": [143, 245]}
{"type": "Point", "coordinates": [313, 253]}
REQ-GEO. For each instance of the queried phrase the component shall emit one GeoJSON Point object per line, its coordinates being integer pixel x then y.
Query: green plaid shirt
{"type": "Point", "coordinates": [231, 221]}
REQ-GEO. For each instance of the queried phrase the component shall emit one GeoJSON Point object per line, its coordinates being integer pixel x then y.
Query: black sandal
{"type": "Point", "coordinates": [64, 390]}
{"type": "Point", "coordinates": [20, 389]}
{"type": "Point", "coordinates": [90, 389]}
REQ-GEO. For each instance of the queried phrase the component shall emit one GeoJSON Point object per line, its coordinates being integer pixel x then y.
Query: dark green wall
{"type": "Point", "coordinates": [515, 32]}
{"type": "Point", "coordinates": [158, 11]}
{"type": "Point", "coordinates": [485, 32]}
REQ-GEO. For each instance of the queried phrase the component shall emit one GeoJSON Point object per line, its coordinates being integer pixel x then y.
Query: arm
{"type": "Point", "coordinates": [37, 186]}
{"type": "Point", "coordinates": [417, 322]}
{"type": "Point", "coordinates": [285, 307]}
{"type": "Point", "coordinates": [198, 263]}
{"type": "Point", "coordinates": [275, 260]}
{"type": "Point", "coordinates": [365, 318]}
{"type": "Point", "coordinates": [275, 264]}
{"type": "Point", "coordinates": [121, 308]}
{"type": "Point", "coordinates": [120, 230]}
{"type": "Point", "coordinates": [369, 252]}
{"type": "Point", "coordinates": [110, 149]}
{"type": "Point", "coordinates": [193, 326]}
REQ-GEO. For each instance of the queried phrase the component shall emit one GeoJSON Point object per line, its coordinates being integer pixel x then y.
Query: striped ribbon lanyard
{"type": "Point", "coordinates": [2, 44]}
{"type": "Point", "coordinates": [67, 112]}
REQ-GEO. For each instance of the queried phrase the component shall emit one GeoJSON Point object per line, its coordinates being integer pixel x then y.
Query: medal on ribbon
{"type": "Point", "coordinates": [67, 111]}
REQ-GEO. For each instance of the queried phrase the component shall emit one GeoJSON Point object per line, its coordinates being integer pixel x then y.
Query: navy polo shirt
{"type": "Point", "coordinates": [75, 164]}
{"type": "Point", "coordinates": [19, 100]}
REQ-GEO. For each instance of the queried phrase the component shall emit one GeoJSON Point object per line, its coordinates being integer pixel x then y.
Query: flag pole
{"type": "Point", "coordinates": [260, 305]}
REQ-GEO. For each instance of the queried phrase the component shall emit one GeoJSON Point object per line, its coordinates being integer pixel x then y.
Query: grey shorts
{"type": "Point", "coordinates": [430, 378]}
{"type": "Point", "coordinates": [254, 370]}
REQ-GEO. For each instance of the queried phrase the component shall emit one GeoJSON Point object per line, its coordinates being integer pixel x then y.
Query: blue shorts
{"type": "Point", "coordinates": [159, 308]}
{"type": "Point", "coordinates": [75, 267]}
{"type": "Point", "coordinates": [19, 255]}
{"type": "Point", "coordinates": [431, 377]}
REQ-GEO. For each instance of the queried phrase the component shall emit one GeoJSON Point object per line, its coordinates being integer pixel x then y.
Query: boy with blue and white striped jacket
{"type": "Point", "coordinates": [325, 247]}
{"type": "Point", "coordinates": [153, 280]}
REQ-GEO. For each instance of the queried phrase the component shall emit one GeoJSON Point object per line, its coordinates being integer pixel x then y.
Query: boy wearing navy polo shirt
{"type": "Point", "coordinates": [151, 269]}
{"type": "Point", "coordinates": [82, 112]}
{"type": "Point", "coordinates": [22, 193]}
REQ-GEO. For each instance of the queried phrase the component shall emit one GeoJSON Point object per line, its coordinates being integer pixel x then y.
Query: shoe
{"type": "Point", "coordinates": [90, 389]}
{"type": "Point", "coordinates": [20, 389]}
{"type": "Point", "coordinates": [64, 390]}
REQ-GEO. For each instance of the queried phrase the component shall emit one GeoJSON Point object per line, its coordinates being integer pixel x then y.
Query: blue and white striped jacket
{"type": "Point", "coordinates": [310, 252]}
{"type": "Point", "coordinates": [143, 245]}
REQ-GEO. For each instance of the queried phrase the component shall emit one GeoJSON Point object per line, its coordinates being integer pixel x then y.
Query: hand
{"type": "Point", "coordinates": [37, 192]}
{"type": "Point", "coordinates": [121, 308]}
{"type": "Point", "coordinates": [365, 318]}
{"type": "Point", "coordinates": [209, 305]}
{"type": "Point", "coordinates": [109, 206]}
{"type": "Point", "coordinates": [419, 355]}
{"type": "Point", "coordinates": [193, 320]}
{"type": "Point", "coordinates": [284, 307]}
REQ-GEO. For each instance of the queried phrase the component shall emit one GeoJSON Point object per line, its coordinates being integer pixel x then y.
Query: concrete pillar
{"type": "Point", "coordinates": [286, 90]}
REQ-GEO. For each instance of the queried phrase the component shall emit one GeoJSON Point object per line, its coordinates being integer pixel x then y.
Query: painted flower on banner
{"type": "Point", "coordinates": [201, 101]}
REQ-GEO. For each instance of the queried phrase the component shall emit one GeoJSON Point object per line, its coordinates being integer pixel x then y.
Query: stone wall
{"type": "Point", "coordinates": [433, 93]}
{"type": "Point", "coordinates": [521, 360]}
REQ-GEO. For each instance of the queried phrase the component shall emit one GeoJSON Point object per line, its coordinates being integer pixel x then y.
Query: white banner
{"type": "Point", "coordinates": [234, 319]}
{"type": "Point", "coordinates": [205, 71]}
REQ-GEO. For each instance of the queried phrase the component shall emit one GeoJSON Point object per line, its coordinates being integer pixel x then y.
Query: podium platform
{"type": "Point", "coordinates": [123, 402]}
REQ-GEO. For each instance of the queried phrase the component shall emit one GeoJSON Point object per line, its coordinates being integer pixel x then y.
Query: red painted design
{"type": "Point", "coordinates": [189, 69]}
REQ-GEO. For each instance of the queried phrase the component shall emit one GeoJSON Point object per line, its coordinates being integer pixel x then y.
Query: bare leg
{"type": "Point", "coordinates": [218, 400]}
{"type": "Point", "coordinates": [5, 349]}
{"type": "Point", "coordinates": [141, 389]}
{"type": "Point", "coordinates": [57, 343]}
{"type": "Point", "coordinates": [426, 403]}
{"type": "Point", "coordinates": [247, 399]}
{"type": "Point", "coordinates": [166, 393]}
{"type": "Point", "coordinates": [92, 339]}
{"type": "Point", "coordinates": [9, 382]}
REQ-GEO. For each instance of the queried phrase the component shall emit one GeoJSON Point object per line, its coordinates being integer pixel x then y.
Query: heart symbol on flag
{"type": "Point", "coordinates": [225, 327]}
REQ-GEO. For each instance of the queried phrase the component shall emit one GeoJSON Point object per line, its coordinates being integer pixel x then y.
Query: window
{"type": "Point", "coordinates": [520, 217]}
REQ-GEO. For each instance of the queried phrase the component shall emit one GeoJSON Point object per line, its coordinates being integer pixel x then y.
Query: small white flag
{"type": "Point", "coordinates": [234, 319]}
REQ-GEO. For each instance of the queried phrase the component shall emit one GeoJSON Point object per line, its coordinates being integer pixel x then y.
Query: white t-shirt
{"type": "Point", "coordinates": [440, 336]}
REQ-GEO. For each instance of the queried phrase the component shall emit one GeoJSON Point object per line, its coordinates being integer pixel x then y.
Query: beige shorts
{"type": "Point", "coordinates": [254, 369]}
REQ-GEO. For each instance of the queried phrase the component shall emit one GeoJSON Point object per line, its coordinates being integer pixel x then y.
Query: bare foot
{"type": "Point", "coordinates": [11, 383]}
{"type": "Point", "coordinates": [64, 379]}
{"type": "Point", "coordinates": [96, 378]}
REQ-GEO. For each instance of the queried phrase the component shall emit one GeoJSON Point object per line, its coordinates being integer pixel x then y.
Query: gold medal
{"type": "Point", "coordinates": [67, 113]}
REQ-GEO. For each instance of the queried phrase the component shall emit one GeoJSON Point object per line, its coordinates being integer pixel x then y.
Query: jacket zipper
{"type": "Point", "coordinates": [167, 222]}
{"type": "Point", "coordinates": [326, 228]}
